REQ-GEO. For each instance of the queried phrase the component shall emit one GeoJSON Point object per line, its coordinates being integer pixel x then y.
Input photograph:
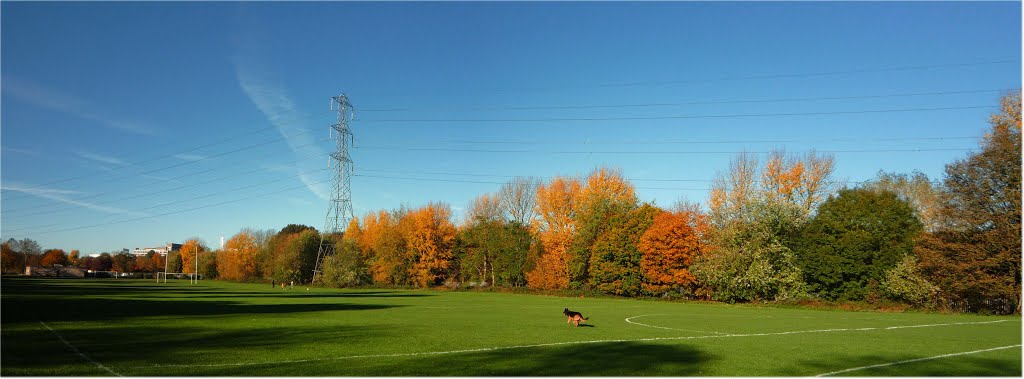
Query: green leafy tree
{"type": "Point", "coordinates": [296, 256]}
{"type": "Point", "coordinates": [346, 267]}
{"type": "Point", "coordinates": [493, 251]}
{"type": "Point", "coordinates": [854, 239]}
{"type": "Point", "coordinates": [750, 259]}
{"type": "Point", "coordinates": [615, 259]}
{"type": "Point", "coordinates": [905, 283]}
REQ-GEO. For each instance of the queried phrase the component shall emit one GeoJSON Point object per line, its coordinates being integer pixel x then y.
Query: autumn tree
{"type": "Point", "coordinates": [669, 247]}
{"type": "Point", "coordinates": [802, 181]}
{"type": "Point", "coordinates": [484, 208]}
{"type": "Point", "coordinates": [383, 245]}
{"type": "Point", "coordinates": [189, 250]}
{"type": "Point", "coordinates": [518, 199]}
{"type": "Point", "coordinates": [9, 259]}
{"type": "Point", "coordinates": [606, 195]}
{"type": "Point", "coordinates": [54, 257]}
{"type": "Point", "coordinates": [73, 257]}
{"type": "Point", "coordinates": [845, 251]}
{"type": "Point", "coordinates": [916, 189]}
{"type": "Point", "coordinates": [431, 236]}
{"type": "Point", "coordinates": [975, 256]}
{"type": "Point", "coordinates": [555, 206]}
{"type": "Point", "coordinates": [238, 259]}
{"type": "Point", "coordinates": [122, 262]}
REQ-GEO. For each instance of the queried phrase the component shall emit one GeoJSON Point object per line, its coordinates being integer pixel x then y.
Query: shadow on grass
{"type": "Point", "coordinates": [965, 365]}
{"type": "Point", "coordinates": [32, 300]}
{"type": "Point", "coordinates": [136, 351]}
{"type": "Point", "coordinates": [598, 359]}
{"type": "Point", "coordinates": [118, 287]}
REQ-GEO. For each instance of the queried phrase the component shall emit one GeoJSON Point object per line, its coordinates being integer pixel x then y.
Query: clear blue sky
{"type": "Point", "coordinates": [146, 111]}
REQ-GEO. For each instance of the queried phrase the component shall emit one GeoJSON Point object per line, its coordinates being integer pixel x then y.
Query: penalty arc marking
{"type": "Point", "coordinates": [630, 320]}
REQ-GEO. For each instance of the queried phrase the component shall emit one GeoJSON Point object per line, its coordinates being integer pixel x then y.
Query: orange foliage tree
{"type": "Point", "coordinates": [238, 260]}
{"type": "Point", "coordinates": [430, 241]}
{"type": "Point", "coordinates": [556, 206]}
{"type": "Point", "coordinates": [189, 251]}
{"type": "Point", "coordinates": [54, 257]}
{"type": "Point", "coordinates": [669, 246]}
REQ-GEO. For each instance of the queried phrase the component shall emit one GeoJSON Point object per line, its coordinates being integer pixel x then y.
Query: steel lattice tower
{"type": "Point", "coordinates": [339, 210]}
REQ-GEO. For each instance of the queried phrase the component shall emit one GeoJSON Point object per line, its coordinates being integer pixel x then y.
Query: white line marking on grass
{"type": "Point", "coordinates": [558, 344]}
{"type": "Point", "coordinates": [86, 357]}
{"type": "Point", "coordinates": [917, 360]}
{"type": "Point", "coordinates": [629, 320]}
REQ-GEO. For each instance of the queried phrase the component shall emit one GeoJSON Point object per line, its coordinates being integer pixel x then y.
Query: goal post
{"type": "Point", "coordinates": [193, 278]}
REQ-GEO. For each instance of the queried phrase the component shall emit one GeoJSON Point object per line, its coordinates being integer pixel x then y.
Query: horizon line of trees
{"type": "Point", "coordinates": [777, 229]}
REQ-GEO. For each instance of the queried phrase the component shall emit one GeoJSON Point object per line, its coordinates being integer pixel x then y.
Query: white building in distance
{"type": "Point", "coordinates": [162, 250]}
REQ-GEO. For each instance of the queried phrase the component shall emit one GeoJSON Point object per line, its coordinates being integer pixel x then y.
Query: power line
{"type": "Point", "coordinates": [180, 211]}
{"type": "Point", "coordinates": [631, 179]}
{"type": "Point", "coordinates": [491, 182]}
{"type": "Point", "coordinates": [693, 142]}
{"type": "Point", "coordinates": [744, 77]}
{"type": "Point", "coordinates": [643, 152]}
{"type": "Point", "coordinates": [139, 163]}
{"type": "Point", "coordinates": [261, 144]}
{"type": "Point", "coordinates": [677, 117]}
{"type": "Point", "coordinates": [145, 194]}
{"type": "Point", "coordinates": [509, 176]}
{"type": "Point", "coordinates": [671, 104]}
{"type": "Point", "coordinates": [208, 195]}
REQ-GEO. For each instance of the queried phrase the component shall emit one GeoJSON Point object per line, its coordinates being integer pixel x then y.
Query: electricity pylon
{"type": "Point", "coordinates": [339, 209]}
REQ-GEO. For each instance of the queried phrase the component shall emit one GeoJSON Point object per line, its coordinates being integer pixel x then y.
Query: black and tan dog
{"type": "Point", "coordinates": [574, 317]}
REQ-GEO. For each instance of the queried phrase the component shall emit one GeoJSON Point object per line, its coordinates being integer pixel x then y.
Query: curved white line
{"type": "Point", "coordinates": [561, 343]}
{"type": "Point", "coordinates": [629, 320]}
{"type": "Point", "coordinates": [917, 360]}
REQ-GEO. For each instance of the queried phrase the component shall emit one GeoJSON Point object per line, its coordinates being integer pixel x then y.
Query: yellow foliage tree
{"type": "Point", "coordinates": [555, 205]}
{"type": "Point", "coordinates": [430, 241]}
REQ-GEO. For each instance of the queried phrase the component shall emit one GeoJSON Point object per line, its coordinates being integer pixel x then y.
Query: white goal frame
{"type": "Point", "coordinates": [193, 278]}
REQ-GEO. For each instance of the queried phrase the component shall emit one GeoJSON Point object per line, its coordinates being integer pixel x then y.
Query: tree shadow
{"type": "Point", "coordinates": [149, 351]}
{"type": "Point", "coordinates": [112, 309]}
{"type": "Point", "coordinates": [592, 359]}
{"type": "Point", "coordinates": [966, 365]}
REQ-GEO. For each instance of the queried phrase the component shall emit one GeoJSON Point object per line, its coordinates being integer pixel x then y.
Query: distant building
{"type": "Point", "coordinates": [162, 250]}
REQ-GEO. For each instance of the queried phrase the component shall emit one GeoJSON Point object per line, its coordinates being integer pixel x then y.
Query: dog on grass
{"type": "Point", "coordinates": [574, 317]}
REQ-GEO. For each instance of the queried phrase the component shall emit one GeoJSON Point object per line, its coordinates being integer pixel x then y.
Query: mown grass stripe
{"type": "Point", "coordinates": [86, 357]}
{"type": "Point", "coordinates": [397, 355]}
{"type": "Point", "coordinates": [916, 360]}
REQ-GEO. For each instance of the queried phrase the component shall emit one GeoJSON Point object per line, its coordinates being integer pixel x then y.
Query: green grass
{"type": "Point", "coordinates": [141, 328]}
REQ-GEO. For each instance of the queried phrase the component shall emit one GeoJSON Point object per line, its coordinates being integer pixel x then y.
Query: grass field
{"type": "Point", "coordinates": [107, 327]}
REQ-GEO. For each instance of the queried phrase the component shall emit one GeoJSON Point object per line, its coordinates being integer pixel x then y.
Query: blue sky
{"type": "Point", "coordinates": [135, 124]}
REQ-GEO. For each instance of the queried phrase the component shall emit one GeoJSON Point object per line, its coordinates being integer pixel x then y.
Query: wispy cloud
{"type": "Point", "coordinates": [272, 99]}
{"type": "Point", "coordinates": [7, 149]}
{"type": "Point", "coordinates": [48, 98]}
{"type": "Point", "coordinates": [62, 196]}
{"type": "Point", "coordinates": [100, 158]}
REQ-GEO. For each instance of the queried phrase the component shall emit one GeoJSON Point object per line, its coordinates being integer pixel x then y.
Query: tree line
{"type": "Point", "coordinates": [778, 228]}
